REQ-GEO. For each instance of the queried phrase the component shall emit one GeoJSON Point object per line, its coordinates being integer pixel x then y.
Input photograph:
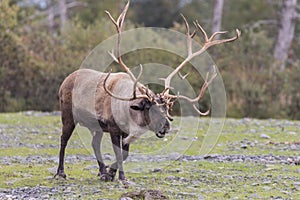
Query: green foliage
{"type": "Point", "coordinates": [95, 10]}
{"type": "Point", "coordinates": [254, 88]}
{"type": "Point", "coordinates": [34, 60]}
{"type": "Point", "coordinates": [155, 13]}
{"type": "Point", "coordinates": [238, 13]}
{"type": "Point", "coordinates": [8, 16]}
{"type": "Point", "coordinates": [291, 95]}
{"type": "Point", "coordinates": [245, 66]}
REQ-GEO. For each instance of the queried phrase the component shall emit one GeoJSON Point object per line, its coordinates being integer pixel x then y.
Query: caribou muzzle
{"type": "Point", "coordinates": [161, 133]}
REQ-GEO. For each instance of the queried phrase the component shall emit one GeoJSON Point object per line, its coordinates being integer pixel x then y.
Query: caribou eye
{"type": "Point", "coordinates": [141, 105]}
{"type": "Point", "coordinates": [136, 107]}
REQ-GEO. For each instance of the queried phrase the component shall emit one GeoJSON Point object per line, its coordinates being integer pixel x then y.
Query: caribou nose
{"type": "Point", "coordinates": [160, 134]}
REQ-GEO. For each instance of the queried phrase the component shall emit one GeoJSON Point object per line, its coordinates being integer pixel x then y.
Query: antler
{"type": "Point", "coordinates": [190, 55]}
{"type": "Point", "coordinates": [118, 59]}
{"type": "Point", "coordinates": [134, 96]}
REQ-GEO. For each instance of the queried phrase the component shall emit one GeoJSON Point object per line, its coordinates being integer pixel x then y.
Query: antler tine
{"type": "Point", "coordinates": [187, 27]}
{"type": "Point", "coordinates": [136, 81]}
{"type": "Point", "coordinates": [199, 112]}
{"type": "Point", "coordinates": [188, 34]}
{"type": "Point", "coordinates": [217, 33]}
{"type": "Point", "coordinates": [197, 25]}
{"type": "Point", "coordinates": [203, 88]}
{"type": "Point", "coordinates": [122, 16]}
{"type": "Point", "coordinates": [134, 96]}
{"type": "Point", "coordinates": [112, 54]}
{"type": "Point", "coordinates": [215, 42]}
{"type": "Point", "coordinates": [112, 19]}
{"type": "Point", "coordinates": [109, 92]}
{"type": "Point", "coordinates": [120, 20]}
{"type": "Point", "coordinates": [182, 76]}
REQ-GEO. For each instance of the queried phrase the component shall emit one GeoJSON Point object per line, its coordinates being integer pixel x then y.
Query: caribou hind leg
{"type": "Point", "coordinates": [96, 144]}
{"type": "Point", "coordinates": [67, 130]}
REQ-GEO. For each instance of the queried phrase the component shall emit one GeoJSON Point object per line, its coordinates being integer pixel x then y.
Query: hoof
{"type": "Point", "coordinates": [106, 177]}
{"type": "Point", "coordinates": [126, 183]}
{"type": "Point", "coordinates": [60, 174]}
{"type": "Point", "coordinates": [102, 171]}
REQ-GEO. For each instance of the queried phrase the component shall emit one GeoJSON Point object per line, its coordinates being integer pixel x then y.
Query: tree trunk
{"type": "Point", "coordinates": [217, 16]}
{"type": "Point", "coordinates": [50, 17]}
{"type": "Point", "coordinates": [62, 9]}
{"type": "Point", "coordinates": [286, 32]}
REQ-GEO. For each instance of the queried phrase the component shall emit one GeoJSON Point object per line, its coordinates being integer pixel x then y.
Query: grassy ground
{"type": "Point", "coordinates": [30, 145]}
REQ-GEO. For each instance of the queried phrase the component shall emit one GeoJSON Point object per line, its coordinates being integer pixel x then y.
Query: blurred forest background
{"type": "Point", "coordinates": [42, 41]}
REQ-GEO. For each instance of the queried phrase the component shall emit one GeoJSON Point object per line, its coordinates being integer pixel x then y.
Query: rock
{"type": "Point", "coordinates": [267, 188]}
{"type": "Point", "coordinates": [254, 196]}
{"type": "Point", "coordinates": [294, 147]}
{"type": "Point", "coordinates": [296, 183]}
{"type": "Point", "coordinates": [156, 170]}
{"type": "Point", "coordinates": [89, 167]}
{"type": "Point", "coordinates": [171, 178]}
{"type": "Point", "coordinates": [252, 131]}
{"type": "Point", "coordinates": [244, 146]}
{"type": "Point", "coordinates": [265, 136]}
{"type": "Point", "coordinates": [291, 133]}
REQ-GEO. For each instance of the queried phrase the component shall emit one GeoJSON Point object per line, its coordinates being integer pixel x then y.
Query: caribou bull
{"type": "Point", "coordinates": [119, 104]}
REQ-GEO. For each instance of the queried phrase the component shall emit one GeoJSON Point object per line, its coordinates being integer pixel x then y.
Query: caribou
{"type": "Point", "coordinates": [119, 104]}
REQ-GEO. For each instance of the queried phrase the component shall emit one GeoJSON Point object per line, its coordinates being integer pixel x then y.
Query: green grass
{"type": "Point", "coordinates": [177, 179]}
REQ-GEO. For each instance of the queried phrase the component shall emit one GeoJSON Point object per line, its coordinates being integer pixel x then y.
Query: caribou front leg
{"type": "Point", "coordinates": [121, 155]}
{"type": "Point", "coordinates": [116, 142]}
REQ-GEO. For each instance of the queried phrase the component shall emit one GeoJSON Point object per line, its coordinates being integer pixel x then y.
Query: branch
{"type": "Point", "coordinates": [56, 13]}
{"type": "Point", "coordinates": [263, 22]}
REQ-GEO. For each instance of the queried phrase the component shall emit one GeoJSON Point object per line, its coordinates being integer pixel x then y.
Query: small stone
{"type": "Point", "coordinates": [156, 170]}
{"type": "Point", "coordinates": [293, 147]}
{"type": "Point", "coordinates": [90, 167]}
{"type": "Point", "coordinates": [291, 133]}
{"type": "Point", "coordinates": [252, 131]}
{"type": "Point", "coordinates": [265, 136]}
{"type": "Point", "coordinates": [296, 183]}
{"type": "Point", "coordinates": [254, 196]}
{"type": "Point", "coordinates": [170, 178]}
{"type": "Point", "coordinates": [267, 188]}
{"type": "Point", "coordinates": [244, 146]}
{"type": "Point", "coordinates": [126, 198]}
